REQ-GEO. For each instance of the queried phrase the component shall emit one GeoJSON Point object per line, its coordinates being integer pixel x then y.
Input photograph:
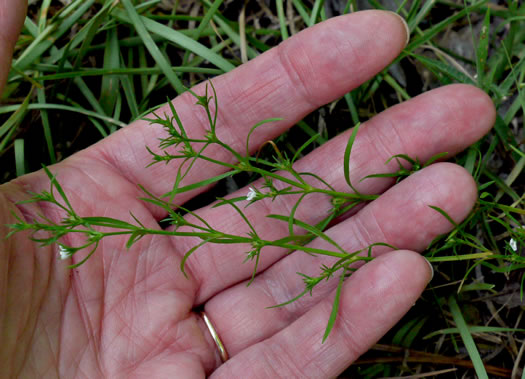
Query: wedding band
{"type": "Point", "coordinates": [220, 346]}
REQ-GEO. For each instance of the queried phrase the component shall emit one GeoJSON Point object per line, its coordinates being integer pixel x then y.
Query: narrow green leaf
{"type": "Point", "coordinates": [319, 179]}
{"type": "Point", "coordinates": [20, 160]}
{"type": "Point", "coordinates": [301, 9]}
{"type": "Point", "coordinates": [202, 183]}
{"type": "Point", "coordinates": [315, 12]}
{"type": "Point", "coordinates": [444, 214]}
{"type": "Point", "coordinates": [310, 228]}
{"type": "Point", "coordinates": [311, 132]}
{"type": "Point", "coordinates": [291, 218]}
{"type": "Point", "coordinates": [92, 28]}
{"type": "Point", "coordinates": [311, 140]}
{"type": "Point", "coordinates": [449, 71]}
{"type": "Point", "coordinates": [31, 27]}
{"type": "Point", "coordinates": [512, 78]}
{"type": "Point", "coordinates": [238, 210]}
{"type": "Point", "coordinates": [403, 331]}
{"type": "Point", "coordinates": [11, 108]}
{"type": "Point", "coordinates": [110, 83]}
{"type": "Point", "coordinates": [206, 19]}
{"type": "Point", "coordinates": [179, 39]}
{"type": "Point", "coordinates": [474, 329]}
{"type": "Point", "coordinates": [123, 71]}
{"type": "Point", "coordinates": [189, 253]}
{"type": "Point", "coordinates": [85, 259]}
{"type": "Point", "coordinates": [42, 18]}
{"type": "Point", "coordinates": [409, 338]}
{"type": "Point", "coordinates": [282, 19]}
{"type": "Point", "coordinates": [421, 15]}
{"type": "Point", "coordinates": [18, 115]}
{"type": "Point", "coordinates": [335, 307]}
{"type": "Point", "coordinates": [53, 32]}
{"type": "Point", "coordinates": [41, 95]}
{"type": "Point", "coordinates": [134, 237]}
{"type": "Point", "coordinates": [289, 301]}
{"type": "Point", "coordinates": [55, 184]}
{"type": "Point", "coordinates": [109, 222]}
{"type": "Point", "coordinates": [267, 121]}
{"type": "Point", "coordinates": [434, 158]}
{"type": "Point", "coordinates": [129, 92]}
{"type": "Point", "coordinates": [467, 339]}
{"type": "Point", "coordinates": [346, 161]}
{"type": "Point", "coordinates": [351, 107]}
{"type": "Point", "coordinates": [138, 22]}
{"type": "Point", "coordinates": [431, 32]}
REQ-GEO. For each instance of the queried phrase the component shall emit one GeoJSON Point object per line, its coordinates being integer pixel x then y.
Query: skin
{"type": "Point", "coordinates": [130, 313]}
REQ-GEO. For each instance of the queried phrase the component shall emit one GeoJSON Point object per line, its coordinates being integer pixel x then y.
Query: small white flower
{"type": "Point", "coordinates": [251, 194]}
{"type": "Point", "coordinates": [513, 244]}
{"type": "Point", "coordinates": [63, 253]}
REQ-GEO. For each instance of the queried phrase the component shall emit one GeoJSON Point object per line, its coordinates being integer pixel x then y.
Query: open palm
{"type": "Point", "coordinates": [131, 313]}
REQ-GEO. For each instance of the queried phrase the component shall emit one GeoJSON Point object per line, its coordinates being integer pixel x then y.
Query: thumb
{"type": "Point", "coordinates": [12, 14]}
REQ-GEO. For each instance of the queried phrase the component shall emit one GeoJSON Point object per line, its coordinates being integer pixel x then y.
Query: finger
{"type": "Point", "coordinates": [371, 302]}
{"type": "Point", "coordinates": [419, 128]}
{"type": "Point", "coordinates": [12, 13]}
{"type": "Point", "coordinates": [289, 81]}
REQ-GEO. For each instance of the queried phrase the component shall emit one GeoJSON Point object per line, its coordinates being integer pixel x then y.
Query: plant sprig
{"type": "Point", "coordinates": [279, 178]}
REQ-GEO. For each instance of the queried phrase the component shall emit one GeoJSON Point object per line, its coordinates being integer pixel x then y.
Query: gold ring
{"type": "Point", "coordinates": [220, 346]}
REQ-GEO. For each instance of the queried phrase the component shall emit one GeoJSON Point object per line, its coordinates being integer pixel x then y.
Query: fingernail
{"type": "Point", "coordinates": [407, 29]}
{"type": "Point", "coordinates": [431, 269]}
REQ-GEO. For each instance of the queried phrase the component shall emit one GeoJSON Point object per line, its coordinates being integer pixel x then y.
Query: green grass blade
{"type": "Point", "coordinates": [301, 9]}
{"type": "Point", "coordinates": [18, 115]}
{"type": "Point", "coordinates": [499, 59]}
{"type": "Point", "coordinates": [138, 23]}
{"type": "Point", "coordinates": [311, 140]}
{"type": "Point", "coordinates": [129, 92]}
{"type": "Point", "coordinates": [431, 32]}
{"type": "Point", "coordinates": [282, 19]}
{"type": "Point", "coordinates": [123, 71]}
{"type": "Point", "coordinates": [47, 38]}
{"type": "Point", "coordinates": [31, 27]}
{"type": "Point", "coordinates": [474, 329]}
{"type": "Point", "coordinates": [20, 159]}
{"type": "Point", "coordinates": [351, 107]}
{"type": "Point", "coordinates": [11, 108]}
{"type": "Point", "coordinates": [110, 83]}
{"type": "Point", "coordinates": [179, 39]}
{"type": "Point", "coordinates": [234, 36]}
{"type": "Point", "coordinates": [41, 96]}
{"type": "Point", "coordinates": [467, 339]}
{"type": "Point", "coordinates": [316, 9]}
{"type": "Point", "coordinates": [311, 132]}
{"type": "Point", "coordinates": [421, 15]}
{"type": "Point", "coordinates": [92, 29]}
{"type": "Point", "coordinates": [513, 77]}
{"type": "Point", "coordinates": [42, 18]}
{"type": "Point", "coordinates": [442, 68]}
{"type": "Point", "coordinates": [207, 18]}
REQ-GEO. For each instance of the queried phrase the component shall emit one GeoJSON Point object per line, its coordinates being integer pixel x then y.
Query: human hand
{"type": "Point", "coordinates": [130, 313]}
